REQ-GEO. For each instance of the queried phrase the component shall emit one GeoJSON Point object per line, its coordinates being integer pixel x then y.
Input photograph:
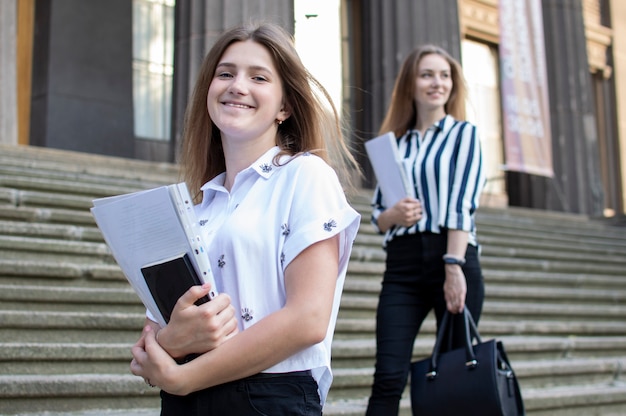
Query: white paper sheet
{"type": "Point", "coordinates": [145, 227]}
{"type": "Point", "coordinates": [388, 168]}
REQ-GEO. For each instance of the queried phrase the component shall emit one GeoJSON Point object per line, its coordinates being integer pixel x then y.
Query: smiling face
{"type": "Point", "coordinates": [245, 97]}
{"type": "Point", "coordinates": [433, 84]}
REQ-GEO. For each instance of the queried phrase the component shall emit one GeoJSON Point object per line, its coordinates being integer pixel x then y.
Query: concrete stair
{"type": "Point", "coordinates": [555, 295]}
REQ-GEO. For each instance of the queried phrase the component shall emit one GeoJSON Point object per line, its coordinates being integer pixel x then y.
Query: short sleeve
{"type": "Point", "coordinates": [319, 209]}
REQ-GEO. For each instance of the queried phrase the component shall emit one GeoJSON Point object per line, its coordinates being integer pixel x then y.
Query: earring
{"type": "Point", "coordinates": [279, 122]}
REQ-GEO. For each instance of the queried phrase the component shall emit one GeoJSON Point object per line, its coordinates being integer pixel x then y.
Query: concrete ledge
{"type": "Point", "coordinates": [507, 310]}
{"type": "Point", "coordinates": [557, 294]}
{"type": "Point", "coordinates": [74, 351]}
{"type": "Point", "coordinates": [27, 268]}
{"type": "Point", "coordinates": [580, 399]}
{"type": "Point", "coordinates": [30, 198]}
{"type": "Point", "coordinates": [611, 366]}
{"type": "Point", "coordinates": [492, 236]}
{"type": "Point", "coordinates": [101, 412]}
{"type": "Point", "coordinates": [540, 279]}
{"type": "Point", "coordinates": [56, 231]}
{"type": "Point", "coordinates": [547, 264]}
{"type": "Point", "coordinates": [517, 347]}
{"type": "Point", "coordinates": [62, 248]}
{"type": "Point", "coordinates": [491, 326]}
{"type": "Point", "coordinates": [94, 385]}
{"type": "Point", "coordinates": [561, 256]}
{"type": "Point", "coordinates": [64, 186]}
{"type": "Point", "coordinates": [59, 270]}
{"type": "Point", "coordinates": [61, 294]}
{"type": "Point", "coordinates": [529, 221]}
{"type": "Point", "coordinates": [33, 393]}
{"type": "Point", "coordinates": [46, 215]}
{"type": "Point", "coordinates": [528, 310]}
{"type": "Point", "coordinates": [505, 285]}
{"type": "Point", "coordinates": [558, 251]}
{"type": "Point", "coordinates": [71, 320]}
{"type": "Point", "coordinates": [65, 160]}
{"type": "Point", "coordinates": [51, 171]}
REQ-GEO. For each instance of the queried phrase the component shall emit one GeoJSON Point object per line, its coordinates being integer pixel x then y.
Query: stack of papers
{"type": "Point", "coordinates": [382, 152]}
{"type": "Point", "coordinates": [152, 226]}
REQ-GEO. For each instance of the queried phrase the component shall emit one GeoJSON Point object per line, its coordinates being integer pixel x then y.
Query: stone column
{"type": "Point", "coordinates": [197, 24]}
{"type": "Point", "coordinates": [577, 185]}
{"type": "Point", "coordinates": [383, 34]}
{"type": "Point", "coordinates": [618, 14]}
{"type": "Point", "coordinates": [8, 74]}
{"type": "Point", "coordinates": [82, 76]}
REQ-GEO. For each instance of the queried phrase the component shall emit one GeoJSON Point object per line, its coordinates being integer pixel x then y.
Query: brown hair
{"type": "Point", "coordinates": [402, 112]}
{"type": "Point", "coordinates": [312, 127]}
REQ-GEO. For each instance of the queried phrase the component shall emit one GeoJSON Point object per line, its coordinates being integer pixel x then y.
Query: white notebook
{"type": "Point", "coordinates": [151, 226]}
{"type": "Point", "coordinates": [388, 168]}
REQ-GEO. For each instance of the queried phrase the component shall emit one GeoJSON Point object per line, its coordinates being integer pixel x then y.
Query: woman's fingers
{"type": "Point", "coordinates": [191, 296]}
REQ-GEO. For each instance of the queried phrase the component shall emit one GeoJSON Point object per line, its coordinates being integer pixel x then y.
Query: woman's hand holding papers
{"type": "Point", "coordinates": [406, 212]}
{"type": "Point", "coordinates": [191, 330]}
{"type": "Point", "coordinates": [197, 329]}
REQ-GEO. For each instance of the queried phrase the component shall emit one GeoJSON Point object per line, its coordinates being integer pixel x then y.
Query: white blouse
{"type": "Point", "coordinates": [446, 174]}
{"type": "Point", "coordinates": [271, 215]}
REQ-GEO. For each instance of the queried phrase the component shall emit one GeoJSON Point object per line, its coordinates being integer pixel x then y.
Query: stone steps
{"type": "Point", "coordinates": [541, 378]}
{"type": "Point", "coordinates": [555, 295]}
{"type": "Point", "coordinates": [41, 393]}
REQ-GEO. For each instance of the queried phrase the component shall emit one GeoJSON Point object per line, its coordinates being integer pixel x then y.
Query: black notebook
{"type": "Point", "coordinates": [168, 280]}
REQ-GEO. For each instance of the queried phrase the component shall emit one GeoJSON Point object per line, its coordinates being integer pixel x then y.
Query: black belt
{"type": "Point", "coordinates": [304, 373]}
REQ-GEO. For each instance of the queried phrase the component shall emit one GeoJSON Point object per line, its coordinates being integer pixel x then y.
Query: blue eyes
{"type": "Point", "coordinates": [428, 75]}
{"type": "Point", "coordinates": [228, 75]}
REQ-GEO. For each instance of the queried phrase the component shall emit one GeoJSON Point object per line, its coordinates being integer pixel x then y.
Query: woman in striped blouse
{"type": "Point", "coordinates": [430, 237]}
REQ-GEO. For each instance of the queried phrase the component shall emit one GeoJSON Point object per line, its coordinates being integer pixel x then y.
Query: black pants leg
{"type": "Point", "coordinates": [412, 287]}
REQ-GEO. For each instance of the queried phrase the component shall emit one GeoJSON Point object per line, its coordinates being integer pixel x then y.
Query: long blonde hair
{"type": "Point", "coordinates": [402, 112]}
{"type": "Point", "coordinates": [313, 126]}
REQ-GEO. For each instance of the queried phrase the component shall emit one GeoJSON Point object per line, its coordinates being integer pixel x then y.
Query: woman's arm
{"type": "Point", "coordinates": [467, 181]}
{"type": "Point", "coordinates": [464, 198]}
{"type": "Point", "coordinates": [455, 286]}
{"type": "Point", "coordinates": [310, 281]}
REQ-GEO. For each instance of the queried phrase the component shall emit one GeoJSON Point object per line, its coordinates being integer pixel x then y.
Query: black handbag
{"type": "Point", "coordinates": [471, 380]}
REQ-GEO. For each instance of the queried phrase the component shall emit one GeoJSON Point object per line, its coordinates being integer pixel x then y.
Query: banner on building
{"type": "Point", "coordinates": [525, 104]}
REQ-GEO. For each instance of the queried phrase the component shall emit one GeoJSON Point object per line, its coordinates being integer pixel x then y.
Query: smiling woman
{"type": "Point", "coordinates": [432, 262]}
{"type": "Point", "coordinates": [246, 104]}
{"type": "Point", "coordinates": [279, 230]}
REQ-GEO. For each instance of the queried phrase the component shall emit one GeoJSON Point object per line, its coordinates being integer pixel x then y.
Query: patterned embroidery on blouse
{"type": "Point", "coordinates": [285, 229]}
{"type": "Point", "coordinates": [202, 222]}
{"type": "Point", "coordinates": [220, 262]}
{"type": "Point", "coordinates": [266, 168]}
{"type": "Point", "coordinates": [306, 154]}
{"type": "Point", "coordinates": [246, 314]}
{"type": "Point", "coordinates": [328, 226]}
{"type": "Point", "coordinates": [282, 259]}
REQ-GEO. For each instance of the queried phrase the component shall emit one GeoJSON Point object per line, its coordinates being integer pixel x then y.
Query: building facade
{"type": "Point", "coordinates": [74, 75]}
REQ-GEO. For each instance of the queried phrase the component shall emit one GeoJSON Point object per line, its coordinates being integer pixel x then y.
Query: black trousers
{"type": "Point", "coordinates": [262, 394]}
{"type": "Point", "coordinates": [412, 287]}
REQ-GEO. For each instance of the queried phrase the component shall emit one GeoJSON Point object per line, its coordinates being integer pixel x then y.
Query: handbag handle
{"type": "Point", "coordinates": [469, 327]}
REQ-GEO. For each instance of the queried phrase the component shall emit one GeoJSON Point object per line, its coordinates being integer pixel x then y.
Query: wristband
{"type": "Point", "coordinates": [448, 259]}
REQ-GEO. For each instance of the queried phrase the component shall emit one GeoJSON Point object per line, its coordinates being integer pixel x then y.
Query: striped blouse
{"type": "Point", "coordinates": [445, 172]}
